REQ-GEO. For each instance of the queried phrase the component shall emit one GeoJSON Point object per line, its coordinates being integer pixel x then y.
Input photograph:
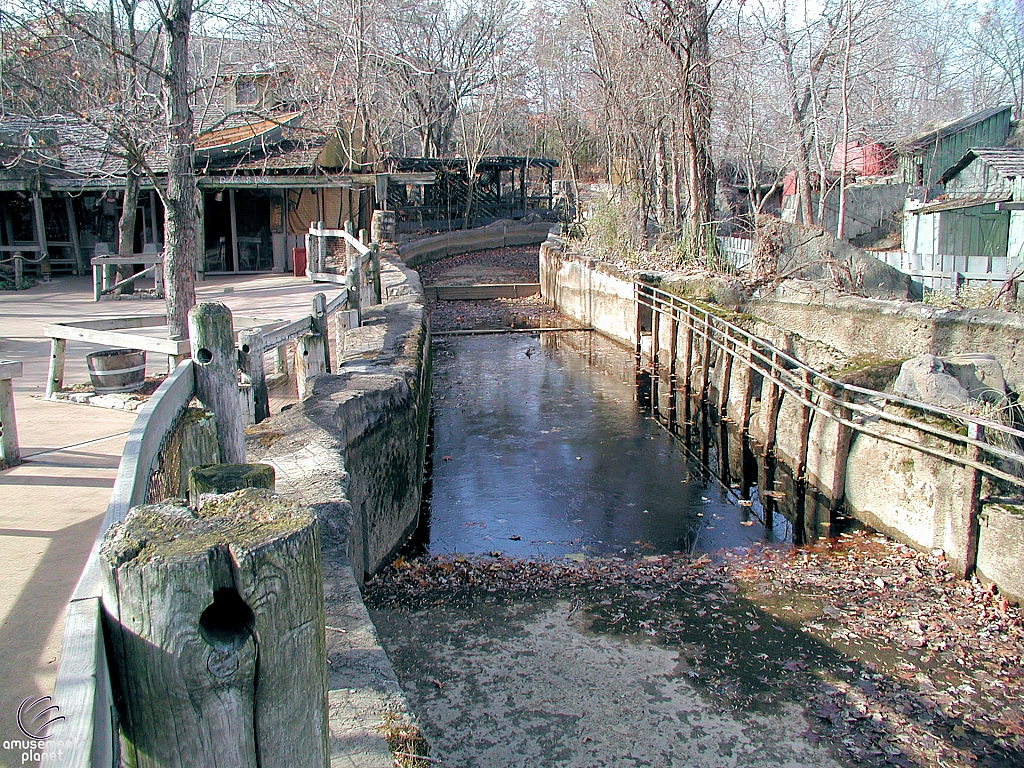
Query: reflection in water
{"type": "Point", "coordinates": [543, 445]}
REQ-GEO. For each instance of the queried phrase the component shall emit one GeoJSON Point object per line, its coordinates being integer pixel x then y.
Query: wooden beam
{"type": "Point", "coordinates": [234, 228]}
{"type": "Point", "coordinates": [40, 227]}
{"type": "Point", "coordinates": [118, 340]}
{"type": "Point", "coordinates": [76, 246]}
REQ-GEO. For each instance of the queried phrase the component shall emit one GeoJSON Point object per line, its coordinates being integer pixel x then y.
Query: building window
{"type": "Point", "coordinates": [246, 91]}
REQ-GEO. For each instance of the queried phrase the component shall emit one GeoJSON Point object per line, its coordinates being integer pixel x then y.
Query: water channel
{"type": "Point", "coordinates": [542, 449]}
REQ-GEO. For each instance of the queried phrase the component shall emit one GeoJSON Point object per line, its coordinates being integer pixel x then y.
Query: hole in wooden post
{"type": "Point", "coordinates": [245, 349]}
{"type": "Point", "coordinates": [204, 356]}
{"type": "Point", "coordinates": [228, 621]}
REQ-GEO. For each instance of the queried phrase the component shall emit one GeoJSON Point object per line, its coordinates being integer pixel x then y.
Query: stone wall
{"type": "Point", "coordinates": [353, 450]}
{"type": "Point", "coordinates": [916, 498]}
{"type": "Point", "coordinates": [892, 329]}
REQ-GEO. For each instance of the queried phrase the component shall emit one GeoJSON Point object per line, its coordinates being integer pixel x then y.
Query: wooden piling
{"type": "Point", "coordinates": [804, 430]}
{"type": "Point", "coordinates": [844, 439]}
{"type": "Point", "coordinates": [706, 372]}
{"type": "Point", "coordinates": [250, 348]}
{"type": "Point", "coordinates": [673, 351]}
{"type": "Point", "coordinates": [726, 380]}
{"type": "Point", "coordinates": [318, 324]}
{"type": "Point", "coordinates": [655, 336]}
{"type": "Point", "coordinates": [227, 478]}
{"type": "Point", "coordinates": [216, 634]}
{"type": "Point", "coordinates": [966, 527]}
{"type": "Point", "coordinates": [55, 379]}
{"type": "Point", "coordinates": [344, 321]}
{"type": "Point", "coordinates": [747, 386]}
{"type": "Point", "coordinates": [309, 362]}
{"type": "Point", "coordinates": [771, 405]}
{"type": "Point", "coordinates": [375, 272]}
{"type": "Point", "coordinates": [212, 339]}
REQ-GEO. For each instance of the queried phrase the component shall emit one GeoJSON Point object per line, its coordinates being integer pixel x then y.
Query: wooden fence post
{"type": "Point", "coordinates": [729, 348]}
{"type": "Point", "coordinates": [216, 369]}
{"type": "Point", "coordinates": [321, 249]}
{"type": "Point", "coordinates": [250, 341]}
{"type": "Point", "coordinates": [966, 527]}
{"type": "Point", "coordinates": [55, 381]}
{"type": "Point", "coordinates": [375, 272]}
{"type": "Point", "coordinates": [10, 452]}
{"type": "Point", "coordinates": [191, 614]}
{"type": "Point", "coordinates": [344, 321]}
{"type": "Point", "coordinates": [309, 362]}
{"type": "Point", "coordinates": [844, 440]}
{"type": "Point", "coordinates": [227, 478]}
{"type": "Point", "coordinates": [318, 324]}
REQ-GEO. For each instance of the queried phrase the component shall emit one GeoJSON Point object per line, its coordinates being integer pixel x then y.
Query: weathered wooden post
{"type": "Point", "coordinates": [352, 297]}
{"type": "Point", "coordinates": [227, 478]}
{"type": "Point", "coordinates": [309, 362]}
{"type": "Point", "coordinates": [321, 248]}
{"type": "Point", "coordinates": [807, 393]}
{"type": "Point", "coordinates": [673, 351]}
{"type": "Point", "coordinates": [965, 527]}
{"type": "Point", "coordinates": [55, 379]}
{"type": "Point", "coordinates": [216, 634]}
{"type": "Point", "coordinates": [250, 349]}
{"type": "Point", "coordinates": [375, 272]}
{"type": "Point", "coordinates": [706, 371]}
{"type": "Point", "coordinates": [216, 369]}
{"type": "Point", "coordinates": [281, 360]}
{"type": "Point", "coordinates": [772, 403]}
{"type": "Point", "coordinates": [344, 321]}
{"type": "Point", "coordinates": [10, 452]}
{"type": "Point", "coordinates": [728, 351]}
{"type": "Point", "coordinates": [844, 441]}
{"type": "Point", "coordinates": [318, 324]}
{"type": "Point", "coordinates": [19, 270]}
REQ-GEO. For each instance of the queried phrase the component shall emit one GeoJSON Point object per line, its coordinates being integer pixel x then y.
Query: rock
{"type": "Point", "coordinates": [925, 378]}
{"type": "Point", "coordinates": [980, 374]}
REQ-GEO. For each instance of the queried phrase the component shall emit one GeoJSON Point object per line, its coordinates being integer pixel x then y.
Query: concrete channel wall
{"type": "Point", "coordinates": [918, 499]}
{"type": "Point", "coordinates": [500, 234]}
{"type": "Point", "coordinates": [353, 450]}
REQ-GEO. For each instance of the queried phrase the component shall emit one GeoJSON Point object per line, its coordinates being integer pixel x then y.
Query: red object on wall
{"type": "Point", "coordinates": [299, 262]}
{"type": "Point", "coordinates": [871, 159]}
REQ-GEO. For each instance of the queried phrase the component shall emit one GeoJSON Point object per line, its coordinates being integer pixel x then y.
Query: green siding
{"type": "Point", "coordinates": [939, 156]}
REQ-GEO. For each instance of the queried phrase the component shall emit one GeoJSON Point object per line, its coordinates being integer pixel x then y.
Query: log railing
{"type": "Point", "coordinates": [88, 736]}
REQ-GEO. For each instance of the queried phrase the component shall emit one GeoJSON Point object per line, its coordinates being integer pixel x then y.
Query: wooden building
{"type": "Point", "coordinates": [980, 216]}
{"type": "Point", "coordinates": [924, 157]}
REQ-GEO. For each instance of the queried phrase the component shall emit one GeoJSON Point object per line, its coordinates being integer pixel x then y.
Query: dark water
{"type": "Point", "coordinates": [540, 447]}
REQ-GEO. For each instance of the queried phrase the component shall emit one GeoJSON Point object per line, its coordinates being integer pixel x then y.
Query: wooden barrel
{"type": "Point", "coordinates": [117, 370]}
{"type": "Point", "coordinates": [382, 229]}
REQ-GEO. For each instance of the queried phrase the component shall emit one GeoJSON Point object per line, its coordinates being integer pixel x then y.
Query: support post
{"type": "Point", "coordinates": [966, 528]}
{"type": "Point", "coordinates": [97, 282]}
{"type": "Point", "coordinates": [673, 351]}
{"type": "Point", "coordinates": [375, 272]}
{"type": "Point", "coordinates": [321, 249]}
{"type": "Point", "coordinates": [19, 270]}
{"type": "Point", "coordinates": [227, 478]}
{"type": "Point", "coordinates": [281, 360]}
{"type": "Point", "coordinates": [748, 384]}
{"type": "Point", "coordinates": [234, 230]}
{"type": "Point", "coordinates": [318, 324]}
{"type": "Point", "coordinates": [212, 337]}
{"type": "Point", "coordinates": [844, 440]}
{"type": "Point", "coordinates": [55, 380]}
{"type": "Point", "coordinates": [40, 227]}
{"type": "Point", "coordinates": [209, 602]}
{"type": "Point", "coordinates": [705, 373]}
{"type": "Point", "coordinates": [726, 381]}
{"type": "Point", "coordinates": [309, 362]}
{"type": "Point", "coordinates": [655, 337]}
{"type": "Point", "coordinates": [76, 246]}
{"type": "Point", "coordinates": [344, 321]}
{"type": "Point", "coordinates": [805, 427]}
{"type": "Point", "coordinates": [250, 348]}
{"type": "Point", "coordinates": [772, 404]}
{"type": "Point", "coordinates": [10, 452]}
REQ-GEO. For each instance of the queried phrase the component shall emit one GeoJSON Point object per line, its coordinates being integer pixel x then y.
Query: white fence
{"type": "Point", "coordinates": [736, 251]}
{"type": "Point", "coordinates": [950, 273]}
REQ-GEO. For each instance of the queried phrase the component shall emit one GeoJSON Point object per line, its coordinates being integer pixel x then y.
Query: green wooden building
{"type": "Point", "coordinates": [924, 157]}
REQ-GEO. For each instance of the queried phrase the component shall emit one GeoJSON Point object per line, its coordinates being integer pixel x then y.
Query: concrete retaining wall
{"type": "Point", "coordinates": [915, 498]}
{"type": "Point", "coordinates": [895, 330]}
{"type": "Point", "coordinates": [500, 234]}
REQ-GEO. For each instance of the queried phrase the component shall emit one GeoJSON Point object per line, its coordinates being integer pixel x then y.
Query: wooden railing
{"type": "Point", "coordinates": [88, 736]}
{"type": "Point", "coordinates": [854, 408]}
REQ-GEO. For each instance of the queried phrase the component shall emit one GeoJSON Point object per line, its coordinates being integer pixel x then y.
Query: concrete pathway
{"type": "Point", "coordinates": [51, 506]}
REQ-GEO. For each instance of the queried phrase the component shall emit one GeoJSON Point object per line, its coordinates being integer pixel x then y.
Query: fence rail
{"type": "Point", "coordinates": [88, 736]}
{"type": "Point", "coordinates": [853, 407]}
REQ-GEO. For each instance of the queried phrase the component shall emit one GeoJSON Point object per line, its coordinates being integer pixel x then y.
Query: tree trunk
{"type": "Point", "coordinates": [126, 228]}
{"type": "Point", "coordinates": [181, 214]}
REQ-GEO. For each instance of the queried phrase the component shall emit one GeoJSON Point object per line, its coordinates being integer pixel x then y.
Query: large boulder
{"type": "Point", "coordinates": [951, 382]}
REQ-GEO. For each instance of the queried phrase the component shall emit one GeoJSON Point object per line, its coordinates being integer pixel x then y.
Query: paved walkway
{"type": "Point", "coordinates": [51, 506]}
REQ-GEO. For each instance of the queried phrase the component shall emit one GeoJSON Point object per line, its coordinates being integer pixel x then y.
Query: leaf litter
{"type": "Point", "coordinates": [896, 660]}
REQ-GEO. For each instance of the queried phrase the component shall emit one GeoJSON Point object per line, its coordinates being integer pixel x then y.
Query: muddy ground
{"type": "Point", "coordinates": [860, 652]}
